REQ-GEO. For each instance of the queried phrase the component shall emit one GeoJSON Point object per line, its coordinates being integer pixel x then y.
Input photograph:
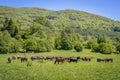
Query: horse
{"type": "Point", "coordinates": [24, 59]}
{"type": "Point", "coordinates": [13, 58]}
{"type": "Point", "coordinates": [109, 60]}
{"type": "Point", "coordinates": [49, 58]}
{"type": "Point", "coordinates": [86, 59]}
{"type": "Point", "coordinates": [37, 58]}
{"type": "Point", "coordinates": [59, 59]}
{"type": "Point", "coordinates": [104, 59]}
{"type": "Point", "coordinates": [100, 59]}
{"type": "Point", "coordinates": [9, 59]}
{"type": "Point", "coordinates": [19, 57]}
{"type": "Point", "coordinates": [34, 58]}
{"type": "Point", "coordinates": [73, 59]}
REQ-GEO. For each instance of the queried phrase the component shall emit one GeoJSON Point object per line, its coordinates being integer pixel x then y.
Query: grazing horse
{"type": "Point", "coordinates": [19, 57]}
{"type": "Point", "coordinates": [37, 58]}
{"type": "Point", "coordinates": [73, 59]}
{"type": "Point", "coordinates": [24, 59]}
{"type": "Point", "coordinates": [104, 59]}
{"type": "Point", "coordinates": [86, 59]}
{"type": "Point", "coordinates": [13, 58]}
{"type": "Point", "coordinates": [59, 59]}
{"type": "Point", "coordinates": [9, 59]}
{"type": "Point", "coordinates": [109, 60]}
{"type": "Point", "coordinates": [49, 58]}
{"type": "Point", "coordinates": [34, 58]}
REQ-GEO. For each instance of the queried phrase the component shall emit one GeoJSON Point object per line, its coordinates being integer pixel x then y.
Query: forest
{"type": "Point", "coordinates": [37, 30]}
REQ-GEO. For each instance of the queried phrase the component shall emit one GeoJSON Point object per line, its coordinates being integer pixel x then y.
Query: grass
{"type": "Point", "coordinates": [47, 70]}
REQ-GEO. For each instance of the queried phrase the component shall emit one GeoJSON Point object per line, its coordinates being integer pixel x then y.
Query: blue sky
{"type": "Point", "coordinates": [107, 8]}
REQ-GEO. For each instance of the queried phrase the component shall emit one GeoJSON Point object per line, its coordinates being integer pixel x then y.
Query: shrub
{"type": "Point", "coordinates": [106, 48]}
{"type": "Point", "coordinates": [78, 47]}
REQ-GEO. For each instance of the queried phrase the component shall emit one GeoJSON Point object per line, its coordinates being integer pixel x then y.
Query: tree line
{"type": "Point", "coordinates": [41, 36]}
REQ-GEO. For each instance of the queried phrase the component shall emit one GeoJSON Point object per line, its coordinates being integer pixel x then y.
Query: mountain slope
{"type": "Point", "coordinates": [82, 22]}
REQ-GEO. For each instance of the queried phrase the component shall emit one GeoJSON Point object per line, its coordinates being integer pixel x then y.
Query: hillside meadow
{"type": "Point", "coordinates": [47, 70]}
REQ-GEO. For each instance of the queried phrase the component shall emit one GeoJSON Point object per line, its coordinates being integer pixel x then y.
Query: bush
{"type": "Point", "coordinates": [90, 44]}
{"type": "Point", "coordinates": [106, 48]}
{"type": "Point", "coordinates": [78, 47]}
{"type": "Point", "coordinates": [118, 48]}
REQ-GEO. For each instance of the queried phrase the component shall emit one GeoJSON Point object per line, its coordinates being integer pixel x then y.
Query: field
{"type": "Point", "coordinates": [47, 70]}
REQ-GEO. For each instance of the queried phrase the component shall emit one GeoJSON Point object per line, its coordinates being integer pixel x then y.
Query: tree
{"type": "Point", "coordinates": [30, 44]}
{"type": "Point", "coordinates": [43, 21]}
{"type": "Point", "coordinates": [90, 44]}
{"type": "Point", "coordinates": [66, 43]}
{"type": "Point", "coordinates": [11, 26]}
{"type": "Point", "coordinates": [106, 48]}
{"type": "Point", "coordinates": [5, 42]}
{"type": "Point", "coordinates": [101, 39]}
{"type": "Point", "coordinates": [78, 47]}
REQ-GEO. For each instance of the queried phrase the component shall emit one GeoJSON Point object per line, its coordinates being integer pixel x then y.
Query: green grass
{"type": "Point", "coordinates": [47, 70]}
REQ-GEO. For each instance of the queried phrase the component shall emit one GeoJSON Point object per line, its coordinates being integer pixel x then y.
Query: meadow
{"type": "Point", "coordinates": [47, 70]}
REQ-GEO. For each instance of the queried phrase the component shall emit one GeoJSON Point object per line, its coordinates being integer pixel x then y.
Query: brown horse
{"type": "Point", "coordinates": [104, 59]}
{"type": "Point", "coordinates": [86, 59]}
{"type": "Point", "coordinates": [109, 60]}
{"type": "Point", "coordinates": [49, 58]}
{"type": "Point", "coordinates": [59, 59]}
{"type": "Point", "coordinates": [37, 58]}
{"type": "Point", "coordinates": [13, 58]}
{"type": "Point", "coordinates": [24, 59]}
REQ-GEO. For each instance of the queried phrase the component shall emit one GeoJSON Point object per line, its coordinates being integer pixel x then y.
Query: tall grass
{"type": "Point", "coordinates": [47, 70]}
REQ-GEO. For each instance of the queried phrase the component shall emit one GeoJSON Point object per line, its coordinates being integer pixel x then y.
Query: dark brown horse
{"type": "Point", "coordinates": [109, 60]}
{"type": "Point", "coordinates": [86, 59]}
{"type": "Point", "coordinates": [104, 59]}
{"type": "Point", "coordinates": [24, 59]}
{"type": "Point", "coordinates": [59, 59]}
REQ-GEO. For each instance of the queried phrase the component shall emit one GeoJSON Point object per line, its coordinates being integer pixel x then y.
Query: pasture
{"type": "Point", "coordinates": [47, 70]}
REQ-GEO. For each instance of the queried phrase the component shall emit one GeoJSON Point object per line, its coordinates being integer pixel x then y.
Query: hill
{"type": "Point", "coordinates": [46, 25]}
{"type": "Point", "coordinates": [82, 22]}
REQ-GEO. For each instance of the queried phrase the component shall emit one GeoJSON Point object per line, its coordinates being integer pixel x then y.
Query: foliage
{"type": "Point", "coordinates": [11, 26]}
{"type": "Point", "coordinates": [78, 47]}
{"type": "Point", "coordinates": [30, 45]}
{"type": "Point", "coordinates": [101, 39]}
{"type": "Point", "coordinates": [54, 29]}
{"type": "Point", "coordinates": [90, 44]}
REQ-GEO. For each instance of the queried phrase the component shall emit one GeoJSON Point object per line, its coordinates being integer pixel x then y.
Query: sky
{"type": "Point", "coordinates": [106, 8]}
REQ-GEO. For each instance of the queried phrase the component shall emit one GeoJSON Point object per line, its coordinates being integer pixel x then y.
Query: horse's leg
{"type": "Point", "coordinates": [55, 62]}
{"type": "Point", "coordinates": [21, 60]}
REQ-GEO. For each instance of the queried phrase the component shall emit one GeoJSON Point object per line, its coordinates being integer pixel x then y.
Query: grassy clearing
{"type": "Point", "coordinates": [47, 70]}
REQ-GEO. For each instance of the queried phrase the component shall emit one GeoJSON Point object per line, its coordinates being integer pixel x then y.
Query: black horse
{"type": "Point", "coordinates": [9, 59]}
{"type": "Point", "coordinates": [73, 59]}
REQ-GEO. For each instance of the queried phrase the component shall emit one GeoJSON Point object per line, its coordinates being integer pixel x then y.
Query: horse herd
{"type": "Point", "coordinates": [58, 59]}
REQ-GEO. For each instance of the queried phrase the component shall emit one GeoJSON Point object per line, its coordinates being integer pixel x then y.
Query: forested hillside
{"type": "Point", "coordinates": [39, 30]}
